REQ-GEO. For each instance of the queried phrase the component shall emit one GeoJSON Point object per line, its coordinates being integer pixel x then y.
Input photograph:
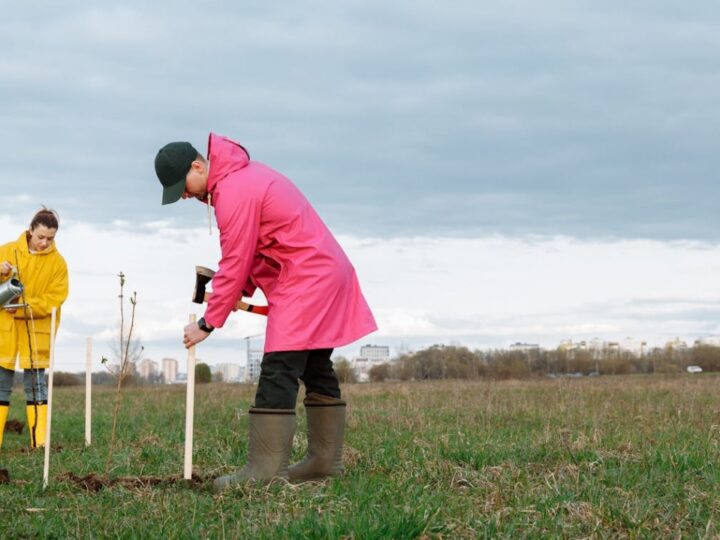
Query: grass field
{"type": "Point", "coordinates": [604, 457]}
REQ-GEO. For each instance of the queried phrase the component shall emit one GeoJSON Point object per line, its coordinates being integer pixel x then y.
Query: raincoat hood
{"type": "Point", "coordinates": [225, 156]}
{"type": "Point", "coordinates": [22, 242]}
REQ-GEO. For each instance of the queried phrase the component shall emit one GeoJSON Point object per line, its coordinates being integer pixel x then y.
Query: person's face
{"type": "Point", "coordinates": [41, 237]}
{"type": "Point", "coordinates": [196, 181]}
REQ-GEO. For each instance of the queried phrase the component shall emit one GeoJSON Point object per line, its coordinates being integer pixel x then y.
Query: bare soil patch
{"type": "Point", "coordinates": [14, 426]}
{"type": "Point", "coordinates": [96, 482]}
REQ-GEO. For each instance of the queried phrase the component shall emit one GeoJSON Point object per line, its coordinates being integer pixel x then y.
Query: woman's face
{"type": "Point", "coordinates": [41, 237]}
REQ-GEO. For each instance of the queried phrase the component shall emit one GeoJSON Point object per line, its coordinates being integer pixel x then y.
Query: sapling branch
{"type": "Point", "coordinates": [124, 364]}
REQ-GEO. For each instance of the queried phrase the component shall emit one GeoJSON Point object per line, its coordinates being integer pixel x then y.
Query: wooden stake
{"type": "Point", "coordinates": [189, 409]}
{"type": "Point", "coordinates": [88, 391]}
{"type": "Point", "coordinates": [48, 426]}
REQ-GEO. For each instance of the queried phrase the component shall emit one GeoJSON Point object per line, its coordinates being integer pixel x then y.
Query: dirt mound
{"type": "Point", "coordinates": [14, 426]}
{"type": "Point", "coordinates": [30, 449]}
{"type": "Point", "coordinates": [4, 476]}
{"type": "Point", "coordinates": [95, 482]}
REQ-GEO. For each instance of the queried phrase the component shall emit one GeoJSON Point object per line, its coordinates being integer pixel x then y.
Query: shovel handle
{"type": "Point", "coordinates": [260, 310]}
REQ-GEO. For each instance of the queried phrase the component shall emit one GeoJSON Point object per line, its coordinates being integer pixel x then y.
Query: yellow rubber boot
{"type": "Point", "coordinates": [37, 421]}
{"type": "Point", "coordinates": [4, 408]}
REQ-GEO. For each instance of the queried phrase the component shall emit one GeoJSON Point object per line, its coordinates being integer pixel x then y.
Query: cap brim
{"type": "Point", "coordinates": [173, 193]}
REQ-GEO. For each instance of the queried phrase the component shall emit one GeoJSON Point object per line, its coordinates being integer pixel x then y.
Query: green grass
{"type": "Point", "coordinates": [605, 457]}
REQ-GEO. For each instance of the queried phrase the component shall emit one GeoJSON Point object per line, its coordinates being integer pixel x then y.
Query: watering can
{"type": "Point", "coordinates": [10, 290]}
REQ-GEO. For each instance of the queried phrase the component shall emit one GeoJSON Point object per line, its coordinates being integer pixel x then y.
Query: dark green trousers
{"type": "Point", "coordinates": [280, 373]}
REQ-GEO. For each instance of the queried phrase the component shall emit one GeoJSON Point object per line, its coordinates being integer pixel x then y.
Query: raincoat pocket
{"type": "Point", "coordinates": [6, 323]}
{"type": "Point", "coordinates": [42, 344]}
{"type": "Point", "coordinates": [8, 343]}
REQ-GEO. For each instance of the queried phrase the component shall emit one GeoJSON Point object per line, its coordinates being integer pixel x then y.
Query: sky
{"type": "Point", "coordinates": [498, 172]}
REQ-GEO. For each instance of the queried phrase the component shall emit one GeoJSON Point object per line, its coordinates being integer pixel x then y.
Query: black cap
{"type": "Point", "coordinates": [172, 164]}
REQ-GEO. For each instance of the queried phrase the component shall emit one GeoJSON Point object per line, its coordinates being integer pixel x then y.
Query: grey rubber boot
{"type": "Point", "coordinates": [326, 432]}
{"type": "Point", "coordinates": [270, 437]}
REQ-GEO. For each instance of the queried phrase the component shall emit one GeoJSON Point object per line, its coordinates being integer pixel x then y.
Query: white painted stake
{"type": "Point", "coordinates": [88, 391]}
{"type": "Point", "coordinates": [189, 409]}
{"type": "Point", "coordinates": [48, 425]}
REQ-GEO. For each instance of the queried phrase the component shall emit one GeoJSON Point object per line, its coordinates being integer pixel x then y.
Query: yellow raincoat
{"type": "Point", "coordinates": [45, 277]}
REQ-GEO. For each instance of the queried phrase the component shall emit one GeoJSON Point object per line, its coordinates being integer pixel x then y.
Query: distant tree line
{"type": "Point", "coordinates": [454, 362]}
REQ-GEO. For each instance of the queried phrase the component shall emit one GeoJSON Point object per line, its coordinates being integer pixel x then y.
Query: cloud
{"type": "Point", "coordinates": [497, 171]}
{"type": "Point", "coordinates": [404, 322]}
{"type": "Point", "coordinates": [396, 119]}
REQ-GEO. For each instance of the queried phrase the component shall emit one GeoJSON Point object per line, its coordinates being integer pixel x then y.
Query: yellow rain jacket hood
{"type": "Point", "coordinates": [45, 277]}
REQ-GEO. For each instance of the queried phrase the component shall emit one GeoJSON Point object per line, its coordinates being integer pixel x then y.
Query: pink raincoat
{"type": "Point", "coordinates": [273, 239]}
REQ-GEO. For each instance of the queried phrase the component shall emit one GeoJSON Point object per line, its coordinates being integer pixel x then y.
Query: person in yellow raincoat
{"type": "Point", "coordinates": [25, 331]}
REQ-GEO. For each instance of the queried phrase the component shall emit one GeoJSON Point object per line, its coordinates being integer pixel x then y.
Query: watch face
{"type": "Point", "coordinates": [203, 325]}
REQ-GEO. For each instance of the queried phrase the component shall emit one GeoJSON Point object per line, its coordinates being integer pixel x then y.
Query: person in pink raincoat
{"type": "Point", "coordinates": [271, 238]}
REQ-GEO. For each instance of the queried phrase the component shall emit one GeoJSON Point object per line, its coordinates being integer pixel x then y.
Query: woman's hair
{"type": "Point", "coordinates": [46, 217]}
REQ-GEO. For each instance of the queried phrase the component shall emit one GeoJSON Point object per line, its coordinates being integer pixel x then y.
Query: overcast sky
{"type": "Point", "coordinates": [480, 132]}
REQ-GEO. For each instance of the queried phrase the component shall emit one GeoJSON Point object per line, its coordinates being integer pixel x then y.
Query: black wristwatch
{"type": "Point", "coordinates": [203, 325]}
